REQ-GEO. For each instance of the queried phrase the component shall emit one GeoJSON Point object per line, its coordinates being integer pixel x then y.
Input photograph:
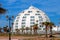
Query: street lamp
{"type": "Point", "coordinates": [9, 19]}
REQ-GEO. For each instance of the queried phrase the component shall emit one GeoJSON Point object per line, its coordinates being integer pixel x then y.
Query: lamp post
{"type": "Point", "coordinates": [9, 19]}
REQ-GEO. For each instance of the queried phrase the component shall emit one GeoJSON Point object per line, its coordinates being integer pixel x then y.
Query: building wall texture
{"type": "Point", "coordinates": [29, 17]}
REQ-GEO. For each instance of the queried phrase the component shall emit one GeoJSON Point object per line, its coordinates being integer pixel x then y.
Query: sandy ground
{"type": "Point", "coordinates": [31, 38]}
{"type": "Point", "coordinates": [18, 38]}
{"type": "Point", "coordinates": [28, 38]}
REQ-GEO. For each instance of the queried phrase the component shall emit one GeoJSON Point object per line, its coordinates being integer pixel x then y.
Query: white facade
{"type": "Point", "coordinates": [29, 17]}
{"type": "Point", "coordinates": [56, 28]}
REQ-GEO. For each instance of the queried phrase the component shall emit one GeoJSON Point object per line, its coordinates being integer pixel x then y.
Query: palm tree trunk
{"type": "Point", "coordinates": [26, 31]}
{"type": "Point", "coordinates": [30, 31]}
{"type": "Point", "coordinates": [22, 31]}
{"type": "Point", "coordinates": [50, 31]}
{"type": "Point", "coordinates": [36, 31]}
{"type": "Point", "coordinates": [46, 31]}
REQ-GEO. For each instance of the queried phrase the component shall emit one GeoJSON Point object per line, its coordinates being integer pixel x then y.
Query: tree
{"type": "Point", "coordinates": [51, 25]}
{"type": "Point", "coordinates": [17, 31]}
{"type": "Point", "coordinates": [27, 28]}
{"type": "Point", "coordinates": [47, 25]}
{"type": "Point", "coordinates": [5, 29]}
{"type": "Point", "coordinates": [2, 10]}
{"type": "Point", "coordinates": [31, 29]}
{"type": "Point", "coordinates": [22, 29]}
{"type": "Point", "coordinates": [35, 27]}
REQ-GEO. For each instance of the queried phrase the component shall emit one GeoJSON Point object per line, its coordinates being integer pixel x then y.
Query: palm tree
{"type": "Point", "coordinates": [2, 10]}
{"type": "Point", "coordinates": [22, 29]}
{"type": "Point", "coordinates": [27, 28]}
{"type": "Point", "coordinates": [17, 31]}
{"type": "Point", "coordinates": [51, 25]}
{"type": "Point", "coordinates": [31, 29]}
{"type": "Point", "coordinates": [5, 29]}
{"type": "Point", "coordinates": [35, 27]}
{"type": "Point", "coordinates": [46, 25]}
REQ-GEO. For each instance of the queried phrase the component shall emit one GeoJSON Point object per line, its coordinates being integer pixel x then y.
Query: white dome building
{"type": "Point", "coordinates": [29, 17]}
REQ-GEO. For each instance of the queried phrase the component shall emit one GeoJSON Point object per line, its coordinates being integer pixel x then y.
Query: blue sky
{"type": "Point", "coordinates": [14, 7]}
